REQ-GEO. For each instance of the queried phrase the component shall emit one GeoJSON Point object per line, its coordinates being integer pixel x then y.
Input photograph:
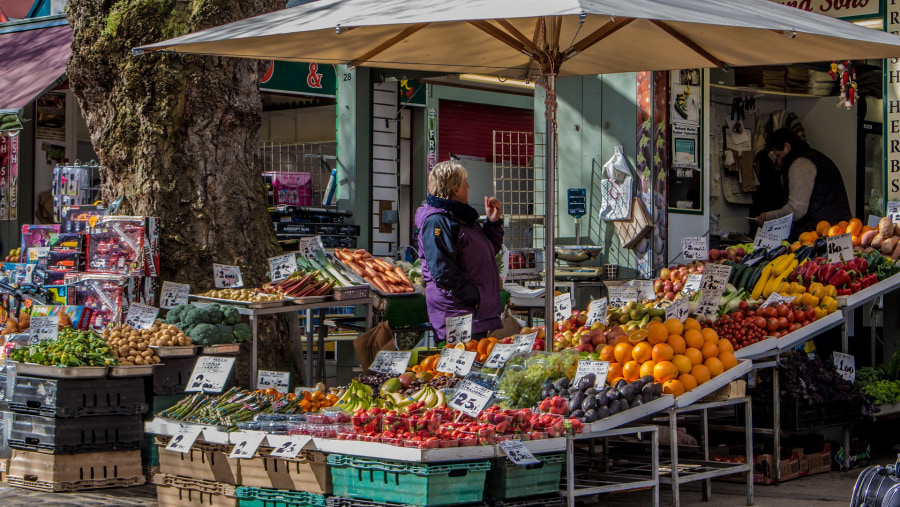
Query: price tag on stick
{"type": "Point", "coordinates": [893, 212]}
{"type": "Point", "coordinates": [708, 305]}
{"type": "Point", "coordinates": [227, 277]}
{"type": "Point", "coordinates": [459, 329]}
{"type": "Point", "coordinates": [141, 316]}
{"type": "Point", "coordinates": [174, 294]}
{"type": "Point", "coordinates": [840, 248]}
{"type": "Point", "coordinates": [500, 354]}
{"type": "Point", "coordinates": [184, 438]}
{"type": "Point", "coordinates": [679, 309]}
{"type": "Point", "coordinates": [247, 443]}
{"type": "Point", "coordinates": [845, 365]}
{"type": "Point", "coordinates": [43, 328]}
{"type": "Point", "coordinates": [517, 452]}
{"type": "Point", "coordinates": [309, 247]}
{"type": "Point", "coordinates": [597, 311]}
{"type": "Point", "coordinates": [456, 361]}
{"type": "Point", "coordinates": [470, 398]}
{"type": "Point", "coordinates": [210, 374]}
{"type": "Point", "coordinates": [287, 446]}
{"type": "Point", "coordinates": [598, 368]}
{"type": "Point", "coordinates": [282, 266]}
{"type": "Point", "coordinates": [278, 380]}
{"type": "Point", "coordinates": [776, 299]}
{"type": "Point", "coordinates": [391, 362]}
{"type": "Point", "coordinates": [562, 307]}
{"type": "Point", "coordinates": [715, 278]}
{"type": "Point", "coordinates": [695, 248]}
{"type": "Point", "coordinates": [618, 296]}
{"type": "Point", "coordinates": [525, 342]}
{"type": "Point", "coordinates": [692, 284]}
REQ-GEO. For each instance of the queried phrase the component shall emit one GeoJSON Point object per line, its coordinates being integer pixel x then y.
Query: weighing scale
{"type": "Point", "coordinates": [575, 255]}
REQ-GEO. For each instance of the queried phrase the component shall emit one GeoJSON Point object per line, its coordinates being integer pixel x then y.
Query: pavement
{"type": "Point", "coordinates": [825, 490]}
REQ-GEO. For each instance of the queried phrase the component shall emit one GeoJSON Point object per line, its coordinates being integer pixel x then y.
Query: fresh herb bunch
{"type": "Point", "coordinates": [72, 348]}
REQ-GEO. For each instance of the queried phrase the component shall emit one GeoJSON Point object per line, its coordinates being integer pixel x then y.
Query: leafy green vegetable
{"type": "Point", "coordinates": [884, 391]}
{"type": "Point", "coordinates": [72, 348]}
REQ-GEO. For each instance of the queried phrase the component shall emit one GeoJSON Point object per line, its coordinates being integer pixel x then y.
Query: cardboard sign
{"type": "Point", "coordinates": [562, 307]}
{"type": "Point", "coordinates": [184, 439]}
{"type": "Point", "coordinates": [598, 368]}
{"type": "Point", "coordinates": [679, 309]}
{"type": "Point", "coordinates": [456, 361]}
{"type": "Point", "coordinates": [210, 374]}
{"type": "Point", "coordinates": [525, 342]}
{"type": "Point", "coordinates": [840, 248]}
{"type": "Point", "coordinates": [459, 329]}
{"type": "Point", "coordinates": [287, 446]}
{"type": "Point", "coordinates": [278, 380]}
{"type": "Point", "coordinates": [764, 240]}
{"type": "Point", "coordinates": [470, 398]}
{"type": "Point", "coordinates": [309, 247]}
{"type": "Point", "coordinates": [893, 212]}
{"type": "Point", "coordinates": [141, 316]}
{"type": "Point", "coordinates": [391, 362]}
{"type": "Point", "coordinates": [692, 284]}
{"type": "Point", "coordinates": [644, 288]}
{"type": "Point", "coordinates": [43, 328]}
{"type": "Point", "coordinates": [597, 311]}
{"type": "Point", "coordinates": [779, 228]}
{"type": "Point", "coordinates": [715, 278]}
{"type": "Point", "coordinates": [776, 299]}
{"type": "Point", "coordinates": [282, 266]}
{"type": "Point", "coordinates": [517, 452]}
{"type": "Point", "coordinates": [845, 365]}
{"type": "Point", "coordinates": [695, 248]}
{"type": "Point", "coordinates": [174, 294]}
{"type": "Point", "coordinates": [618, 296]}
{"type": "Point", "coordinates": [500, 354]}
{"type": "Point", "coordinates": [227, 277]}
{"type": "Point", "coordinates": [708, 305]}
{"type": "Point", "coordinates": [247, 443]}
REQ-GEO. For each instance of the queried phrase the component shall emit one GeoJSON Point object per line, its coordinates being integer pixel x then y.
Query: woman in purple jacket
{"type": "Point", "coordinates": [458, 253]}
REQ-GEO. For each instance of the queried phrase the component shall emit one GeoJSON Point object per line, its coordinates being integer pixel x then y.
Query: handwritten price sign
{"type": "Point", "coordinates": [210, 374]}
{"type": "Point", "coordinates": [470, 398]}
{"type": "Point", "coordinates": [845, 365]}
{"type": "Point", "coordinates": [840, 248]}
{"type": "Point", "coordinates": [618, 296]}
{"type": "Point", "coordinates": [459, 329]}
{"type": "Point", "coordinates": [517, 452]}
{"type": "Point", "coordinates": [391, 362]}
{"type": "Point", "coordinates": [695, 248]}
{"type": "Point", "coordinates": [597, 311]}
{"type": "Point", "coordinates": [500, 354]}
{"type": "Point", "coordinates": [43, 328]}
{"type": "Point", "coordinates": [282, 266]}
{"type": "Point", "coordinates": [309, 247]}
{"type": "Point", "coordinates": [456, 361]}
{"type": "Point", "coordinates": [227, 277]}
{"type": "Point", "coordinates": [278, 380]}
{"type": "Point", "coordinates": [141, 316]}
{"type": "Point", "coordinates": [174, 294]}
{"type": "Point", "coordinates": [679, 309]}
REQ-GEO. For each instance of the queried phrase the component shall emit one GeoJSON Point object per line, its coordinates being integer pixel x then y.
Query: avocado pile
{"type": "Point", "coordinates": [589, 403]}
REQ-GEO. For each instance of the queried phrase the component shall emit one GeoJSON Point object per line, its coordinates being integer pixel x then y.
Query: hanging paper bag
{"type": "Point", "coordinates": [616, 188]}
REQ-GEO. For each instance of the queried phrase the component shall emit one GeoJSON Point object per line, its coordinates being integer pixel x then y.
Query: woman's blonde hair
{"type": "Point", "coordinates": [444, 177]}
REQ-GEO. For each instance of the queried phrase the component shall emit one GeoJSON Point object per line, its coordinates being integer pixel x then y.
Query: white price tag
{"type": "Point", "coordinates": [309, 247]}
{"type": "Point", "coordinates": [287, 446]}
{"type": "Point", "coordinates": [184, 438]}
{"type": "Point", "coordinates": [618, 296]}
{"type": "Point", "coordinates": [562, 307]}
{"type": "Point", "coordinates": [470, 398]}
{"type": "Point", "coordinates": [779, 228]}
{"type": "Point", "coordinates": [715, 278]}
{"type": "Point", "coordinates": [893, 212]}
{"type": "Point", "coordinates": [692, 284]}
{"type": "Point", "coordinates": [776, 299]}
{"type": "Point", "coordinates": [708, 305]}
{"type": "Point", "coordinates": [391, 362]}
{"type": "Point", "coordinates": [247, 443]}
{"type": "Point", "coordinates": [500, 354]}
{"type": "Point", "coordinates": [279, 380]}
{"type": "Point", "coordinates": [525, 342]}
{"type": "Point", "coordinates": [517, 452]}
{"type": "Point", "coordinates": [210, 374]}
{"type": "Point", "coordinates": [598, 368]}
{"type": "Point", "coordinates": [456, 361]}
{"type": "Point", "coordinates": [845, 365]}
{"type": "Point", "coordinates": [282, 266]}
{"type": "Point", "coordinates": [43, 328]}
{"type": "Point", "coordinates": [695, 248]}
{"type": "Point", "coordinates": [679, 309]}
{"type": "Point", "coordinates": [141, 316]}
{"type": "Point", "coordinates": [459, 329]}
{"type": "Point", "coordinates": [644, 289]}
{"type": "Point", "coordinates": [29, 273]}
{"type": "Point", "coordinates": [597, 311]}
{"type": "Point", "coordinates": [227, 277]}
{"type": "Point", "coordinates": [765, 240]}
{"type": "Point", "coordinates": [174, 294]}
{"type": "Point", "coordinates": [840, 248]}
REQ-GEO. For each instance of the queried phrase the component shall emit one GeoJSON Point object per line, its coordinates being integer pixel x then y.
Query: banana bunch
{"type": "Point", "coordinates": [430, 396]}
{"type": "Point", "coordinates": [358, 396]}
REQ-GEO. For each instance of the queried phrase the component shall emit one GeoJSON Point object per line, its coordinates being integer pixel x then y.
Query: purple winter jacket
{"type": "Point", "coordinates": [458, 265]}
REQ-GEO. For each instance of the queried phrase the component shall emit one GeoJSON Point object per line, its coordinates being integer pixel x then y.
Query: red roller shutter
{"type": "Point", "coordinates": [465, 128]}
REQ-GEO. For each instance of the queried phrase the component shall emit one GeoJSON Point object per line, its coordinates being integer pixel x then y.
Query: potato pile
{"type": "Point", "coordinates": [132, 346]}
{"type": "Point", "coordinates": [245, 295]}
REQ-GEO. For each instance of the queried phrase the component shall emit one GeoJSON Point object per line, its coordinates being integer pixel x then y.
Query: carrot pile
{"type": "Point", "coordinates": [378, 273]}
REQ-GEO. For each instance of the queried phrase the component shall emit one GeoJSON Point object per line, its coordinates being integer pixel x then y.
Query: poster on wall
{"type": "Point", "coordinates": [50, 121]}
{"type": "Point", "coordinates": [891, 112]}
{"type": "Point", "coordinates": [13, 176]}
{"type": "Point", "coordinates": [685, 173]}
{"type": "Point", "coordinates": [685, 101]}
{"type": "Point", "coordinates": [4, 175]}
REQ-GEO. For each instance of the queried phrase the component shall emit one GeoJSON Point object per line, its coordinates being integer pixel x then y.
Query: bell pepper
{"type": "Point", "coordinates": [855, 286]}
{"type": "Point", "coordinates": [829, 304]}
{"type": "Point", "coordinates": [820, 312]}
{"type": "Point", "coordinates": [817, 290]}
{"type": "Point", "coordinates": [830, 290]}
{"type": "Point", "coordinates": [807, 299]}
{"type": "Point", "coordinates": [784, 288]}
{"type": "Point", "coordinates": [825, 272]}
{"type": "Point", "coordinates": [871, 279]}
{"type": "Point", "coordinates": [861, 265]}
{"type": "Point", "coordinates": [844, 292]}
{"type": "Point", "coordinates": [839, 278]}
{"type": "Point", "coordinates": [797, 288]}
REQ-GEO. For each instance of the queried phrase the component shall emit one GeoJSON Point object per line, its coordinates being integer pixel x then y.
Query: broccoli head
{"type": "Point", "coordinates": [214, 315]}
{"type": "Point", "coordinates": [194, 315]}
{"type": "Point", "coordinates": [204, 334]}
{"type": "Point", "coordinates": [231, 315]}
{"type": "Point", "coordinates": [175, 314]}
{"type": "Point", "coordinates": [242, 332]}
{"type": "Point", "coordinates": [225, 333]}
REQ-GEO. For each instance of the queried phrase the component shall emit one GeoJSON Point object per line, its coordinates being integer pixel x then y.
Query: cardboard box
{"type": "Point", "coordinates": [308, 472]}
{"type": "Point", "coordinates": [208, 462]}
{"type": "Point", "coordinates": [734, 389]}
{"type": "Point", "coordinates": [74, 472]}
{"type": "Point", "coordinates": [168, 496]}
{"type": "Point", "coordinates": [764, 470]}
{"type": "Point", "coordinates": [819, 462]}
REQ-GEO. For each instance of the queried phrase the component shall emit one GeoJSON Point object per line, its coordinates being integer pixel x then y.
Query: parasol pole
{"type": "Point", "coordinates": [550, 211]}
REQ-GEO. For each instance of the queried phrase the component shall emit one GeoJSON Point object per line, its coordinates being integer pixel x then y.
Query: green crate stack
{"type": "Point", "coordinates": [150, 453]}
{"type": "Point", "coordinates": [386, 481]}
{"type": "Point", "coordinates": [506, 480]}
{"type": "Point", "coordinates": [259, 497]}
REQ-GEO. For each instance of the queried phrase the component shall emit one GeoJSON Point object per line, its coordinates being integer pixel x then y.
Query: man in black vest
{"type": "Point", "coordinates": [815, 189]}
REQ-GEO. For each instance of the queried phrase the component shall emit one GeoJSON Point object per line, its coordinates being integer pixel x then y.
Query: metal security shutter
{"type": "Point", "coordinates": [465, 128]}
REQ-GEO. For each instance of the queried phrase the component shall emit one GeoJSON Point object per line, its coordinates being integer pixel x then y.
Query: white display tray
{"type": "Point", "coordinates": [714, 384]}
{"type": "Point", "coordinates": [385, 451]}
{"type": "Point", "coordinates": [806, 333]}
{"type": "Point", "coordinates": [163, 426]}
{"type": "Point", "coordinates": [764, 348]}
{"type": "Point", "coordinates": [870, 293]}
{"type": "Point", "coordinates": [631, 415]}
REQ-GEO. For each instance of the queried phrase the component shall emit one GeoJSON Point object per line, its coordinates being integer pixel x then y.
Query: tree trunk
{"type": "Point", "coordinates": [178, 136]}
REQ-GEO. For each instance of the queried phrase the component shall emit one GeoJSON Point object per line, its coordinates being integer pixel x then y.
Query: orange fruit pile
{"type": "Point", "coordinates": [825, 229]}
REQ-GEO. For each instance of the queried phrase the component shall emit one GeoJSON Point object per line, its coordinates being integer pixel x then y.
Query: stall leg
{"type": "Point", "coordinates": [254, 326]}
{"type": "Point", "coordinates": [845, 337]}
{"type": "Point", "coordinates": [776, 417]}
{"type": "Point", "coordinates": [704, 435]}
{"type": "Point", "coordinates": [846, 447]}
{"type": "Point", "coordinates": [748, 444]}
{"type": "Point", "coordinates": [673, 450]}
{"type": "Point", "coordinates": [654, 465]}
{"type": "Point", "coordinates": [308, 371]}
{"type": "Point", "coordinates": [320, 348]}
{"type": "Point", "coordinates": [570, 471]}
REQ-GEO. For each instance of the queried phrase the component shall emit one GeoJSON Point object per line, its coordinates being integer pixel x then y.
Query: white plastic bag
{"type": "Point", "coordinates": [616, 188]}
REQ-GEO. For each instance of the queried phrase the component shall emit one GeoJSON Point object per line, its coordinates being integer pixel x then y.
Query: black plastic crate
{"type": "Point", "coordinates": [800, 414]}
{"type": "Point", "coordinates": [72, 436]}
{"type": "Point", "coordinates": [338, 501]}
{"type": "Point", "coordinates": [534, 501]}
{"type": "Point", "coordinates": [172, 375]}
{"type": "Point", "coordinates": [78, 397]}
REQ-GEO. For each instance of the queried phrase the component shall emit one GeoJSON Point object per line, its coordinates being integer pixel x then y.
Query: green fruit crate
{"type": "Point", "coordinates": [411, 483]}
{"type": "Point", "coordinates": [259, 497]}
{"type": "Point", "coordinates": [506, 480]}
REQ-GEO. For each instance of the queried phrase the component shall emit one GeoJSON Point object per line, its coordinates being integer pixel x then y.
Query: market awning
{"type": "Point", "coordinates": [34, 60]}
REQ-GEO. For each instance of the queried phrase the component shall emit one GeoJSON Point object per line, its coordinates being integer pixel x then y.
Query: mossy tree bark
{"type": "Point", "coordinates": [178, 136]}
